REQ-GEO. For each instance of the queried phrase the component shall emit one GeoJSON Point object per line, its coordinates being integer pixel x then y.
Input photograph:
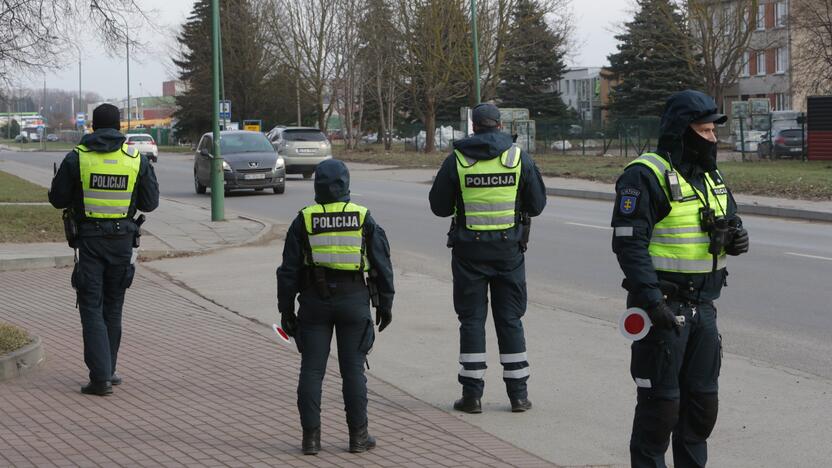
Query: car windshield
{"type": "Point", "coordinates": [140, 138]}
{"type": "Point", "coordinates": [244, 143]}
{"type": "Point", "coordinates": [303, 135]}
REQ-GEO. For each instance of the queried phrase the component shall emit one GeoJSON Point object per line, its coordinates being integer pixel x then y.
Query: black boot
{"type": "Point", "coordinates": [468, 404]}
{"type": "Point", "coordinates": [519, 405]}
{"type": "Point", "coordinates": [311, 444]}
{"type": "Point", "coordinates": [98, 388]}
{"type": "Point", "coordinates": [361, 440]}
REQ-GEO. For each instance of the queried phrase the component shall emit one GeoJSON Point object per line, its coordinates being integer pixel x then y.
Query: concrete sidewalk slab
{"type": "Point", "coordinates": [202, 387]}
{"type": "Point", "coordinates": [580, 385]}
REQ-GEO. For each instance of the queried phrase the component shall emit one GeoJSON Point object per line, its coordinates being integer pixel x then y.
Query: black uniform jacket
{"type": "Point", "coordinates": [332, 185]}
{"type": "Point", "coordinates": [446, 195]}
{"type": "Point", "coordinates": [639, 184]}
{"type": "Point", "coordinates": [66, 188]}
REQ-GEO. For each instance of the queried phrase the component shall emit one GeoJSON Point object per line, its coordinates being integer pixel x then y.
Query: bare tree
{"type": "Point", "coordinates": [304, 35]}
{"type": "Point", "coordinates": [34, 32]}
{"type": "Point", "coordinates": [352, 82]}
{"type": "Point", "coordinates": [811, 23]}
{"type": "Point", "coordinates": [437, 61]}
{"type": "Point", "coordinates": [381, 53]}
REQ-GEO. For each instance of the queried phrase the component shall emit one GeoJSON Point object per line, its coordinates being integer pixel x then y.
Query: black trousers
{"type": "Point", "coordinates": [506, 279]}
{"type": "Point", "coordinates": [348, 313]}
{"type": "Point", "coordinates": [101, 276]}
{"type": "Point", "coordinates": [676, 376]}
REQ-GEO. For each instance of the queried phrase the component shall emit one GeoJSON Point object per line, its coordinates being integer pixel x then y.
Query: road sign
{"type": "Point", "coordinates": [634, 324]}
{"type": "Point", "coordinates": [225, 110]}
{"type": "Point", "coordinates": [253, 125]}
{"type": "Point", "coordinates": [80, 119]}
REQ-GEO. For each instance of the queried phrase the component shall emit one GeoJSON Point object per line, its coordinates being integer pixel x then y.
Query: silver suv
{"type": "Point", "coordinates": [303, 148]}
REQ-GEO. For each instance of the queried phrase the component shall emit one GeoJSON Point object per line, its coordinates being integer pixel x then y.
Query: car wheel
{"type": "Point", "coordinates": [199, 188]}
{"type": "Point", "coordinates": [307, 175]}
{"type": "Point", "coordinates": [279, 188]}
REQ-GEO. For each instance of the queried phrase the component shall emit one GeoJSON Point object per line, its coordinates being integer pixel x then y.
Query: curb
{"type": "Point", "coordinates": [742, 208]}
{"type": "Point", "coordinates": [22, 361]}
{"type": "Point", "coordinates": [36, 263]}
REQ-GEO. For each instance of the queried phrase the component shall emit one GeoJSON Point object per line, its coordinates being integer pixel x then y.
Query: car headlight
{"type": "Point", "coordinates": [279, 163]}
{"type": "Point", "coordinates": [226, 166]}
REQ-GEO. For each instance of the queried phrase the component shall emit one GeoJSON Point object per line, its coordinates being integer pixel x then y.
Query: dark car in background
{"type": "Point", "coordinates": [782, 143]}
{"type": "Point", "coordinates": [249, 162]}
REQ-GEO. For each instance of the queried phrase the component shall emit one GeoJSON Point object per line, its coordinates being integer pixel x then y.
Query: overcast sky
{"type": "Point", "coordinates": [105, 75]}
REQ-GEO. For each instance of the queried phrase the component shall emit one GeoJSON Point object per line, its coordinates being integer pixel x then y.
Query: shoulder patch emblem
{"type": "Point", "coordinates": [627, 204]}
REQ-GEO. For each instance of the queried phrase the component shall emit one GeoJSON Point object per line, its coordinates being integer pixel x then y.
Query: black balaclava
{"type": "Point", "coordinates": [698, 151]}
{"type": "Point", "coordinates": [106, 116]}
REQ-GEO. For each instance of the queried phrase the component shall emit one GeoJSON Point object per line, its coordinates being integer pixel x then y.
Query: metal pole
{"type": "Point", "coordinates": [474, 42]}
{"type": "Point", "coordinates": [222, 82]}
{"type": "Point", "coordinates": [127, 44]}
{"type": "Point", "coordinates": [217, 176]}
{"type": "Point", "coordinates": [80, 109]}
{"type": "Point", "coordinates": [42, 135]}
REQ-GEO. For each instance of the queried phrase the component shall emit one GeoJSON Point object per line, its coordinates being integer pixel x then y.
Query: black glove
{"type": "Point", "coordinates": [663, 317]}
{"type": "Point", "coordinates": [383, 318]}
{"type": "Point", "coordinates": [739, 244]}
{"type": "Point", "coordinates": [289, 323]}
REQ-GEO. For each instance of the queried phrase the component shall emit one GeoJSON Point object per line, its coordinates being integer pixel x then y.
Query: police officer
{"type": "Point", "coordinates": [490, 186]}
{"type": "Point", "coordinates": [101, 184]}
{"type": "Point", "coordinates": [674, 223]}
{"type": "Point", "coordinates": [329, 247]}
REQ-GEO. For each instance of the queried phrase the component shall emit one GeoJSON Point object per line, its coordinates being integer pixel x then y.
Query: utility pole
{"type": "Point", "coordinates": [42, 135]}
{"type": "Point", "coordinates": [127, 43]}
{"type": "Point", "coordinates": [475, 43]}
{"type": "Point", "coordinates": [217, 175]}
{"type": "Point", "coordinates": [297, 96]}
{"type": "Point", "coordinates": [80, 109]}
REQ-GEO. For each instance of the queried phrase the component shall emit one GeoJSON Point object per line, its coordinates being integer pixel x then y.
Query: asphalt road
{"type": "Point", "coordinates": [776, 308]}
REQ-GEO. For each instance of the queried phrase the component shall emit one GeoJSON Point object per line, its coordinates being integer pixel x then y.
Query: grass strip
{"type": "Point", "coordinates": [30, 223]}
{"type": "Point", "coordinates": [13, 189]}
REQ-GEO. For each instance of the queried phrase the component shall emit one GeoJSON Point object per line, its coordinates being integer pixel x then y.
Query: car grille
{"type": "Point", "coordinates": [254, 170]}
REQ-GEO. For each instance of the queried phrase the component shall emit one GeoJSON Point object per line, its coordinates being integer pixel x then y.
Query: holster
{"type": "Point", "coordinates": [137, 239]}
{"type": "Point", "coordinates": [526, 226]}
{"type": "Point", "coordinates": [669, 289]}
{"type": "Point", "coordinates": [451, 230]}
{"type": "Point", "coordinates": [372, 287]}
{"type": "Point", "coordinates": [319, 282]}
{"type": "Point", "coordinates": [70, 228]}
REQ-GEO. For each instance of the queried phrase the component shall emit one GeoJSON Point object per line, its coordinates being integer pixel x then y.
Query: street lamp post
{"type": "Point", "coordinates": [217, 175]}
{"type": "Point", "coordinates": [127, 44]}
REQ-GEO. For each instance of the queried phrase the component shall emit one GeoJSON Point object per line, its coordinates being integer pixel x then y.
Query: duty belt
{"type": "Point", "coordinates": [333, 282]}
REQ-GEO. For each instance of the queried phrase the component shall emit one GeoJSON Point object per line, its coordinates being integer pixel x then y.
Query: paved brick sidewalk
{"type": "Point", "coordinates": [202, 387]}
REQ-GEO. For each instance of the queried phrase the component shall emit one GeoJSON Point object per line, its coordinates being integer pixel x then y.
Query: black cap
{"type": "Point", "coordinates": [715, 117]}
{"type": "Point", "coordinates": [485, 115]}
{"type": "Point", "coordinates": [106, 116]}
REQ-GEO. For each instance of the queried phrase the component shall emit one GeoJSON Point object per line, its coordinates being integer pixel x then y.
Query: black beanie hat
{"type": "Point", "coordinates": [106, 116]}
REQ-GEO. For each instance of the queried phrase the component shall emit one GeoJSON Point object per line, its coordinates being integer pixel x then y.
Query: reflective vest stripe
{"type": "Point", "coordinates": [685, 265]}
{"type": "Point", "coordinates": [516, 373]}
{"type": "Point", "coordinates": [514, 357]}
{"type": "Point", "coordinates": [321, 257]}
{"type": "Point", "coordinates": [489, 221]}
{"type": "Point", "coordinates": [472, 357]}
{"type": "Point", "coordinates": [334, 240]}
{"type": "Point", "coordinates": [108, 195]}
{"type": "Point", "coordinates": [479, 207]}
{"type": "Point", "coordinates": [685, 230]}
{"type": "Point", "coordinates": [681, 240]}
{"type": "Point", "coordinates": [512, 156]}
{"type": "Point", "coordinates": [660, 163]}
{"type": "Point", "coordinates": [122, 210]}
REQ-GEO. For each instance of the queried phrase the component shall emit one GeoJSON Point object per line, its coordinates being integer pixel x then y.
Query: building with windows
{"type": "Point", "coordinates": [766, 69]}
{"type": "Point", "coordinates": [580, 90]}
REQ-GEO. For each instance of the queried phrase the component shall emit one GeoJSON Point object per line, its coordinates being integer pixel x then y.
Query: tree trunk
{"type": "Point", "coordinates": [382, 132]}
{"type": "Point", "coordinates": [430, 125]}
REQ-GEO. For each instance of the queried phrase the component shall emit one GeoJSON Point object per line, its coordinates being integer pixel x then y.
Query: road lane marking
{"type": "Point", "coordinates": [606, 228]}
{"type": "Point", "coordinates": [818, 257]}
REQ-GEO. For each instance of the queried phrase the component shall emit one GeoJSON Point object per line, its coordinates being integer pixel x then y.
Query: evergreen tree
{"type": "Point", "coordinates": [249, 80]}
{"type": "Point", "coordinates": [533, 64]}
{"type": "Point", "coordinates": [651, 62]}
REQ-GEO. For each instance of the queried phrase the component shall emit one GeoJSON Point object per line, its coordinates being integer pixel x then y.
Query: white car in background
{"type": "Point", "coordinates": [144, 143]}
